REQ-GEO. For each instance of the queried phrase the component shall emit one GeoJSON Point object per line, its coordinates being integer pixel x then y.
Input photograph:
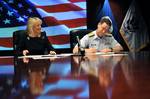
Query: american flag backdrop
{"type": "Point", "coordinates": [59, 17]}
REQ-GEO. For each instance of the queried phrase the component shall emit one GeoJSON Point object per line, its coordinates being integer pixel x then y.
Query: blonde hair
{"type": "Point", "coordinates": [30, 23]}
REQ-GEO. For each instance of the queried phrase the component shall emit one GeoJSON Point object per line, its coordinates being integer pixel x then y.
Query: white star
{"type": "Point", "coordinates": [9, 13]}
{"type": "Point", "coordinates": [29, 10]}
{"type": "Point", "coordinates": [26, 17]}
{"type": "Point", "coordinates": [20, 19]}
{"type": "Point", "coordinates": [15, 11]}
{"type": "Point", "coordinates": [20, 5]}
{"type": "Point", "coordinates": [6, 21]}
{"type": "Point", "coordinates": [10, 1]}
{"type": "Point", "coordinates": [3, 2]}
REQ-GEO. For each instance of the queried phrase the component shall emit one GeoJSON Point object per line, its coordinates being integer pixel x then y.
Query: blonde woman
{"type": "Point", "coordinates": [35, 41]}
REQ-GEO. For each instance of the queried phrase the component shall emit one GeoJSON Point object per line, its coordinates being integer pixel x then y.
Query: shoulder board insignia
{"type": "Point", "coordinates": [109, 35]}
{"type": "Point", "coordinates": [91, 34]}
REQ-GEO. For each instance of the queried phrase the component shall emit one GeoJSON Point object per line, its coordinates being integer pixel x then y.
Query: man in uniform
{"type": "Point", "coordinates": [100, 40]}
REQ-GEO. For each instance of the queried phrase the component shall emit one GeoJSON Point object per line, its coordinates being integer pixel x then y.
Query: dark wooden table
{"type": "Point", "coordinates": [111, 76]}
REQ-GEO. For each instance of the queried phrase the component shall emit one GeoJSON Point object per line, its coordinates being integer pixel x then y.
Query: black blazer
{"type": "Point", "coordinates": [35, 45]}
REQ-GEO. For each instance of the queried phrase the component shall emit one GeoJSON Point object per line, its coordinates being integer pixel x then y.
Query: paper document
{"type": "Point", "coordinates": [58, 55]}
{"type": "Point", "coordinates": [108, 53]}
{"type": "Point", "coordinates": [46, 56]}
{"type": "Point", "coordinates": [100, 53]}
{"type": "Point", "coordinates": [29, 56]}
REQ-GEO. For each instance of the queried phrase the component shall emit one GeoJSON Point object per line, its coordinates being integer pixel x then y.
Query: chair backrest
{"type": "Point", "coordinates": [17, 36]}
{"type": "Point", "coordinates": [77, 32]}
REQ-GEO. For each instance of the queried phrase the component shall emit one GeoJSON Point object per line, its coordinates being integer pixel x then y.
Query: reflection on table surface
{"type": "Point", "coordinates": [93, 76]}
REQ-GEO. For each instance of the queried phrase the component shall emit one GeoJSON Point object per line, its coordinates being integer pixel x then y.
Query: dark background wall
{"type": "Point", "coordinates": [119, 9]}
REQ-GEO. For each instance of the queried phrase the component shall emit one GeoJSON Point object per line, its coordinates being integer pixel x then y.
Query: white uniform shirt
{"type": "Point", "coordinates": [91, 40]}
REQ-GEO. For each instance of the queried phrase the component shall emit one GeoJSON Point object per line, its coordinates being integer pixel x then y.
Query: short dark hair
{"type": "Point", "coordinates": [106, 20]}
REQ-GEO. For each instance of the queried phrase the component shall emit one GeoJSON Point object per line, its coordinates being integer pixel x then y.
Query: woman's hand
{"type": "Point", "coordinates": [25, 52]}
{"type": "Point", "coordinates": [52, 52]}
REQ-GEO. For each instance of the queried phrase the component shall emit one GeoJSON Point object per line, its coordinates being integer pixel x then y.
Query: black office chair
{"type": "Point", "coordinates": [77, 32]}
{"type": "Point", "coordinates": [17, 36]}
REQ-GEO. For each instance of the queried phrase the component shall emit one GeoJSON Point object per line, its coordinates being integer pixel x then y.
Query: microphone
{"type": "Point", "coordinates": [81, 51]}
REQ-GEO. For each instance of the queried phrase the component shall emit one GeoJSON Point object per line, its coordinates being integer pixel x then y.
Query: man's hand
{"type": "Point", "coordinates": [106, 50]}
{"type": "Point", "coordinates": [91, 50]}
